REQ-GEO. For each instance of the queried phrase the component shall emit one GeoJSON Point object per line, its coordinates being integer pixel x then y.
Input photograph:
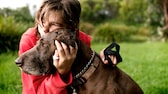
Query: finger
{"type": "Point", "coordinates": [59, 48]}
{"type": "Point", "coordinates": [105, 61]}
{"type": "Point", "coordinates": [102, 55]}
{"type": "Point", "coordinates": [113, 59]}
{"type": "Point", "coordinates": [66, 49]}
{"type": "Point", "coordinates": [73, 50]}
{"type": "Point", "coordinates": [56, 56]}
{"type": "Point", "coordinates": [56, 59]}
{"type": "Point", "coordinates": [56, 53]}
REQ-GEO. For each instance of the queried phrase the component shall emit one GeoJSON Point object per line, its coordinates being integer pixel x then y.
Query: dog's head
{"type": "Point", "coordinates": [38, 60]}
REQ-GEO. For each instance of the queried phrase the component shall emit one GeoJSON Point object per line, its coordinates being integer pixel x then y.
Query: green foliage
{"type": "Point", "coordinates": [97, 11]}
{"type": "Point", "coordinates": [144, 31]}
{"type": "Point", "coordinates": [107, 32]}
{"type": "Point", "coordinates": [154, 13]}
{"type": "Point", "coordinates": [128, 12]}
{"type": "Point", "coordinates": [132, 11]}
{"type": "Point", "coordinates": [86, 27]}
{"type": "Point", "coordinates": [13, 22]}
{"type": "Point", "coordinates": [10, 79]}
{"type": "Point", "coordinates": [20, 15]}
{"type": "Point", "coordinates": [10, 33]}
{"type": "Point", "coordinates": [23, 15]}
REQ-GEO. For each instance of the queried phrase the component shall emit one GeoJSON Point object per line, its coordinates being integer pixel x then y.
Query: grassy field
{"type": "Point", "coordinates": [146, 63]}
{"type": "Point", "coordinates": [10, 82]}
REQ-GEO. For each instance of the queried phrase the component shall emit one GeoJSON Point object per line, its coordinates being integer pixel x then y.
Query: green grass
{"type": "Point", "coordinates": [146, 63]}
{"type": "Point", "coordinates": [10, 81]}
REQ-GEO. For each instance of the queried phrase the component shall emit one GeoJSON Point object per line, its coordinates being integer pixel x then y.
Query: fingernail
{"type": "Point", "coordinates": [56, 41]}
{"type": "Point", "coordinates": [103, 59]}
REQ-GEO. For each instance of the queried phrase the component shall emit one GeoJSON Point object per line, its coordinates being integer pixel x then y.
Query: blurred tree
{"type": "Point", "coordinates": [23, 14]}
{"type": "Point", "coordinates": [165, 26]}
{"type": "Point", "coordinates": [13, 22]}
{"type": "Point", "coordinates": [20, 14]}
{"type": "Point", "coordinates": [132, 11]}
{"type": "Point", "coordinates": [5, 12]}
{"type": "Point", "coordinates": [97, 11]}
{"type": "Point", "coordinates": [154, 13]}
{"type": "Point", "coordinates": [157, 13]}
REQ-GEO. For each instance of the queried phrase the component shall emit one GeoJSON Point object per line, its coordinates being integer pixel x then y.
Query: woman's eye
{"type": "Point", "coordinates": [57, 24]}
{"type": "Point", "coordinates": [55, 27]}
{"type": "Point", "coordinates": [58, 32]}
{"type": "Point", "coordinates": [54, 24]}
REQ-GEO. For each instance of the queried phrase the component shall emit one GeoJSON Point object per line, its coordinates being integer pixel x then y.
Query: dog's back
{"type": "Point", "coordinates": [104, 79]}
{"type": "Point", "coordinates": [110, 80]}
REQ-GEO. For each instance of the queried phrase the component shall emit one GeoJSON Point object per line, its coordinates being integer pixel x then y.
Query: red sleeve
{"type": "Point", "coordinates": [28, 40]}
{"type": "Point", "coordinates": [85, 38]}
{"type": "Point", "coordinates": [49, 84]}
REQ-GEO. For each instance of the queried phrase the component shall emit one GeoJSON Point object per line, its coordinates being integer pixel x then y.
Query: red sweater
{"type": "Point", "coordinates": [48, 84]}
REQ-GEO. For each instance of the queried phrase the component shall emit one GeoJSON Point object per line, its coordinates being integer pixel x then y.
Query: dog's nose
{"type": "Point", "coordinates": [18, 62]}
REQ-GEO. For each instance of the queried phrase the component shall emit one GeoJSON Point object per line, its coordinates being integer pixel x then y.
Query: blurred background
{"type": "Point", "coordinates": [139, 26]}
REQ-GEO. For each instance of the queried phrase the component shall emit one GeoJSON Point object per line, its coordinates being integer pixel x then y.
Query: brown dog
{"type": "Point", "coordinates": [90, 75]}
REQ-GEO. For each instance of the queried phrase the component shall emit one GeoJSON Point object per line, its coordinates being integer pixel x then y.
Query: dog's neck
{"type": "Point", "coordinates": [84, 55]}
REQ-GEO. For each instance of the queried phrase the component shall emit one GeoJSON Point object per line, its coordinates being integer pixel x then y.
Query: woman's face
{"type": "Point", "coordinates": [51, 21]}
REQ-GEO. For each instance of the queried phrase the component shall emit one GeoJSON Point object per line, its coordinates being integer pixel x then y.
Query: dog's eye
{"type": "Point", "coordinates": [58, 32]}
{"type": "Point", "coordinates": [44, 43]}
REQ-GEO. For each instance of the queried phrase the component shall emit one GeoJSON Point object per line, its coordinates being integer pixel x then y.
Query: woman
{"type": "Point", "coordinates": [53, 15]}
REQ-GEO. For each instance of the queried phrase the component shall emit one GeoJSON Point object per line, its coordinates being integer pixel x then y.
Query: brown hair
{"type": "Point", "coordinates": [70, 9]}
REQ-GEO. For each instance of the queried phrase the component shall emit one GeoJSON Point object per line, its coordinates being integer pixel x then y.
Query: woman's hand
{"type": "Point", "coordinates": [64, 57]}
{"type": "Point", "coordinates": [112, 57]}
